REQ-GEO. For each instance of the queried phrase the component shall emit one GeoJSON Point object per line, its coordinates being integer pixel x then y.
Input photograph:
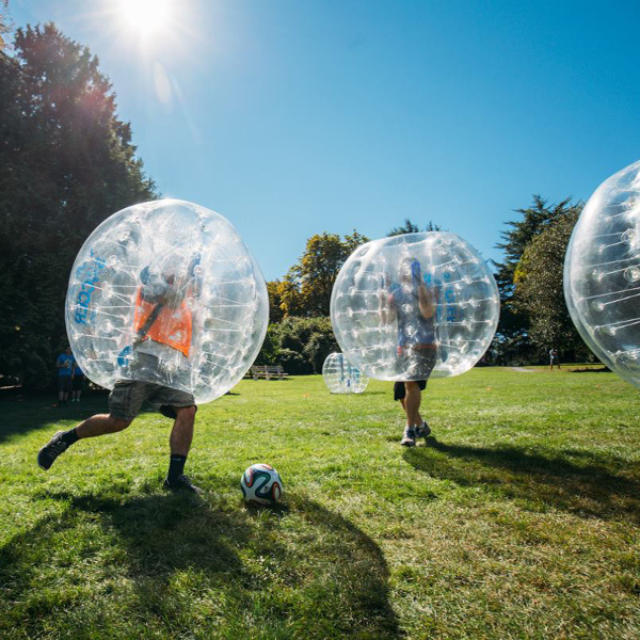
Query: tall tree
{"type": "Point", "coordinates": [306, 289]}
{"type": "Point", "coordinates": [411, 227]}
{"type": "Point", "coordinates": [66, 163]}
{"type": "Point", "coordinates": [512, 336]}
{"type": "Point", "coordinates": [4, 23]}
{"type": "Point", "coordinates": [538, 280]}
{"type": "Point", "coordinates": [275, 300]}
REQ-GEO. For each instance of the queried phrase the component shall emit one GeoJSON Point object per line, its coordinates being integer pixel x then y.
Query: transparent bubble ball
{"type": "Point", "coordinates": [376, 308]}
{"type": "Point", "coordinates": [341, 376]}
{"type": "Point", "coordinates": [602, 273]}
{"type": "Point", "coordinates": [166, 292]}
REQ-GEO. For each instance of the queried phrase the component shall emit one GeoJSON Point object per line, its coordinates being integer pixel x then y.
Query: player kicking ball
{"type": "Point", "coordinates": [163, 329]}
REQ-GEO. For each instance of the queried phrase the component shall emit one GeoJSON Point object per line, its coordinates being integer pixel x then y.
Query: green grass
{"type": "Point", "coordinates": [519, 519]}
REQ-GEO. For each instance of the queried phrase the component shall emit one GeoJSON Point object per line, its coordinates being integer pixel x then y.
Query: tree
{"type": "Point", "coordinates": [410, 227]}
{"type": "Point", "coordinates": [275, 301]}
{"type": "Point", "coordinates": [539, 291]}
{"type": "Point", "coordinates": [4, 23]}
{"type": "Point", "coordinates": [300, 345]}
{"type": "Point", "coordinates": [306, 289]}
{"type": "Point", "coordinates": [512, 336]}
{"type": "Point", "coordinates": [291, 302]}
{"type": "Point", "coordinates": [66, 163]}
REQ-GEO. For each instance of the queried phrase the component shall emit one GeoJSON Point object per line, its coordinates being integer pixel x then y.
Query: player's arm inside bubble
{"type": "Point", "coordinates": [387, 307]}
{"type": "Point", "coordinates": [427, 297]}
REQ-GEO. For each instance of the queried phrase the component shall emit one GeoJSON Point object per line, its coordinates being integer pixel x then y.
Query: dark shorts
{"type": "Point", "coordinates": [77, 383]}
{"type": "Point", "coordinates": [128, 396]}
{"type": "Point", "coordinates": [64, 384]}
{"type": "Point", "coordinates": [399, 389]}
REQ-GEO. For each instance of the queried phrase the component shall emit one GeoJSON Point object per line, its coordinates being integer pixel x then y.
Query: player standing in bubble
{"type": "Point", "coordinates": [163, 327]}
{"type": "Point", "coordinates": [413, 305]}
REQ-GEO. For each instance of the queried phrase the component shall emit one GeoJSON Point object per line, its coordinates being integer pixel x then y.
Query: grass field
{"type": "Point", "coordinates": [519, 519]}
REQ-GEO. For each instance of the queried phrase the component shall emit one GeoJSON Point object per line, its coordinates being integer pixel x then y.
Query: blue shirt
{"type": "Point", "coordinates": [67, 365]}
{"type": "Point", "coordinates": [413, 327]}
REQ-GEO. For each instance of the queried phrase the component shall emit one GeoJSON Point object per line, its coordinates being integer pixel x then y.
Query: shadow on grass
{"type": "Point", "coordinates": [171, 566]}
{"type": "Point", "coordinates": [20, 416]}
{"type": "Point", "coordinates": [586, 488]}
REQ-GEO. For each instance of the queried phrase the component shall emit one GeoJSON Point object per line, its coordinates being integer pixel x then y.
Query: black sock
{"type": "Point", "coordinates": [70, 436]}
{"type": "Point", "coordinates": [176, 466]}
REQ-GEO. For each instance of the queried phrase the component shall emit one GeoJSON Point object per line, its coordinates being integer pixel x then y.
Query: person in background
{"type": "Point", "coordinates": [77, 382]}
{"type": "Point", "coordinates": [64, 365]}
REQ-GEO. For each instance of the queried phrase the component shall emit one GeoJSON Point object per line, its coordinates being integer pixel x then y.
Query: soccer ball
{"type": "Point", "coordinates": [261, 483]}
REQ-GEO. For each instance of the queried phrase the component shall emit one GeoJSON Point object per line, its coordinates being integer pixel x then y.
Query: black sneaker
{"type": "Point", "coordinates": [182, 483]}
{"type": "Point", "coordinates": [423, 430]}
{"type": "Point", "coordinates": [52, 450]}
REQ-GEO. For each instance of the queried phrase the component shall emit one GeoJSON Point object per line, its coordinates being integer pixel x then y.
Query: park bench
{"type": "Point", "coordinates": [268, 371]}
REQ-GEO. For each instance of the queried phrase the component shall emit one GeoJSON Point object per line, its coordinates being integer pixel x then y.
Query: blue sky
{"type": "Point", "coordinates": [293, 118]}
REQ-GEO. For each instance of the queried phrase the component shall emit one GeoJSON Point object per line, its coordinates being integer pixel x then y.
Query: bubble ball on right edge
{"type": "Point", "coordinates": [341, 376]}
{"type": "Point", "coordinates": [414, 305]}
{"type": "Point", "coordinates": [602, 273]}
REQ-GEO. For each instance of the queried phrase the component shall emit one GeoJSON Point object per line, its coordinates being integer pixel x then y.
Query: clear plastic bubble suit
{"type": "Point", "coordinates": [375, 306]}
{"type": "Point", "coordinates": [341, 376]}
{"type": "Point", "coordinates": [166, 292]}
{"type": "Point", "coordinates": [602, 273]}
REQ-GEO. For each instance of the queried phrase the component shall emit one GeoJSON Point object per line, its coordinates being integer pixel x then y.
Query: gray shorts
{"type": "Point", "coordinates": [128, 396]}
{"type": "Point", "coordinates": [418, 361]}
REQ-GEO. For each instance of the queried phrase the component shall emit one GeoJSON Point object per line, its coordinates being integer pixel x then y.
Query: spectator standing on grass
{"type": "Point", "coordinates": [64, 365]}
{"type": "Point", "coordinates": [77, 382]}
{"type": "Point", "coordinates": [553, 358]}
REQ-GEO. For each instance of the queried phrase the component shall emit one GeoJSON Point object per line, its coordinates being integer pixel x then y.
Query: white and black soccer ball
{"type": "Point", "coordinates": [261, 483]}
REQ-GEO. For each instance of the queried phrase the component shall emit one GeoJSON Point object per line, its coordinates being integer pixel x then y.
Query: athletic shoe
{"type": "Point", "coordinates": [182, 483]}
{"type": "Point", "coordinates": [423, 430]}
{"type": "Point", "coordinates": [408, 437]}
{"type": "Point", "coordinates": [52, 450]}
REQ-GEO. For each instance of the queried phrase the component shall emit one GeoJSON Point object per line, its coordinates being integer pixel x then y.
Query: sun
{"type": "Point", "coordinates": [146, 17]}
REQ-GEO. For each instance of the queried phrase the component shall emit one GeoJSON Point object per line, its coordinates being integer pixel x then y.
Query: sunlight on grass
{"type": "Point", "coordinates": [518, 518]}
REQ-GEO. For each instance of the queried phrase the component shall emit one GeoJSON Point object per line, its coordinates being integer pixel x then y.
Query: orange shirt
{"type": "Point", "coordinates": [172, 326]}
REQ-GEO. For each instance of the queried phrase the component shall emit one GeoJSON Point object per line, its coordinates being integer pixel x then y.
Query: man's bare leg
{"type": "Point", "coordinates": [412, 404]}
{"type": "Point", "coordinates": [101, 424]}
{"type": "Point", "coordinates": [180, 444]}
{"type": "Point", "coordinates": [96, 425]}
{"type": "Point", "coordinates": [182, 432]}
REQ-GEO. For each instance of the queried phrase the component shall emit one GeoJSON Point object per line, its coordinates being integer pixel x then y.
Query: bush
{"type": "Point", "coordinates": [300, 345]}
{"type": "Point", "coordinates": [294, 363]}
{"type": "Point", "coordinates": [320, 345]}
{"type": "Point", "coordinates": [37, 373]}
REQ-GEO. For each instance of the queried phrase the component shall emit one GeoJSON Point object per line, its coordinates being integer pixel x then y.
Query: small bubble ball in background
{"type": "Point", "coordinates": [466, 295]}
{"type": "Point", "coordinates": [341, 376]}
{"type": "Point", "coordinates": [602, 273]}
{"type": "Point", "coordinates": [166, 266]}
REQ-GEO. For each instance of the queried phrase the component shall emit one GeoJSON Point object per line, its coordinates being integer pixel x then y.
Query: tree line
{"type": "Point", "coordinates": [67, 162]}
{"type": "Point", "coordinates": [533, 318]}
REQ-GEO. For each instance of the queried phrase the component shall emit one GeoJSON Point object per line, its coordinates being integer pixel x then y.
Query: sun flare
{"type": "Point", "coordinates": [146, 17]}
